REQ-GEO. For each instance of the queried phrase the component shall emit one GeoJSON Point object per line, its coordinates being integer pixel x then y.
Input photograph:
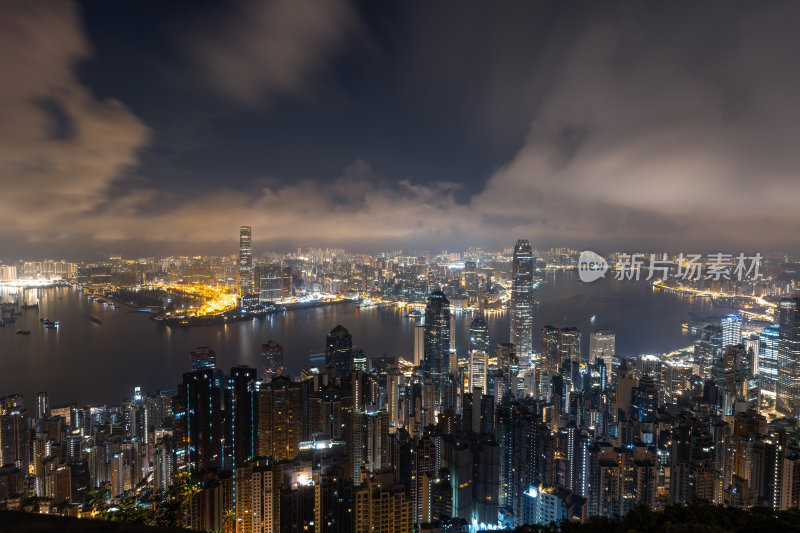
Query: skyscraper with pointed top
{"type": "Point", "coordinates": [245, 261]}
{"type": "Point", "coordinates": [522, 298]}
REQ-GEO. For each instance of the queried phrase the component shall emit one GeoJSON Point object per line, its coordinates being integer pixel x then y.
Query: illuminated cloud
{"type": "Point", "coordinates": [60, 147]}
{"type": "Point", "coordinates": [645, 128]}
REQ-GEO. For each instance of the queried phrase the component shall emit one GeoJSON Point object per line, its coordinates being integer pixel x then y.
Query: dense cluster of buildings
{"type": "Point", "coordinates": [528, 429]}
{"type": "Point", "coordinates": [472, 279]}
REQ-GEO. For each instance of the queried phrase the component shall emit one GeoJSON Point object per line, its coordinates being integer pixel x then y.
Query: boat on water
{"type": "Point", "coordinates": [414, 313]}
{"type": "Point", "coordinates": [23, 332]}
{"type": "Point", "coordinates": [50, 324]}
{"type": "Point", "coordinates": [94, 319]}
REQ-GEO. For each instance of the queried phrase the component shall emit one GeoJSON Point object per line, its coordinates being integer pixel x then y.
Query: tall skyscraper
{"type": "Point", "coordinates": [508, 364]}
{"type": "Point", "coordinates": [14, 432]}
{"type": "Point", "coordinates": [626, 381]}
{"type": "Point", "coordinates": [245, 261]}
{"type": "Point", "coordinates": [478, 368]}
{"type": "Point", "coordinates": [436, 361]}
{"type": "Point", "coordinates": [201, 418]}
{"type": "Point", "coordinates": [339, 352]}
{"type": "Point", "coordinates": [644, 400]}
{"type": "Point", "coordinates": [280, 419]}
{"type": "Point", "coordinates": [478, 335]}
{"type": "Point", "coordinates": [768, 342]}
{"type": "Point", "coordinates": [286, 283]}
{"type": "Point", "coordinates": [268, 280]}
{"type": "Point", "coordinates": [558, 345]}
{"type": "Point", "coordinates": [478, 353]}
{"type": "Point", "coordinates": [471, 280]}
{"type": "Point", "coordinates": [42, 406]}
{"type": "Point", "coordinates": [788, 400]}
{"type": "Point", "coordinates": [602, 345]}
{"type": "Point", "coordinates": [522, 299]}
{"type": "Point", "coordinates": [242, 413]}
{"type": "Point", "coordinates": [453, 356]}
{"type": "Point", "coordinates": [419, 344]}
{"type": "Point", "coordinates": [731, 330]}
{"type": "Point", "coordinates": [272, 353]}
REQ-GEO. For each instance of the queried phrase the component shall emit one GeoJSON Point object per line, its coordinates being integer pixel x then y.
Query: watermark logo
{"type": "Point", "coordinates": [687, 267]}
{"type": "Point", "coordinates": [591, 266]}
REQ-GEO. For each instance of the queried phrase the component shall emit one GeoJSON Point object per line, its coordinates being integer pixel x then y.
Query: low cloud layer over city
{"type": "Point", "coordinates": [319, 123]}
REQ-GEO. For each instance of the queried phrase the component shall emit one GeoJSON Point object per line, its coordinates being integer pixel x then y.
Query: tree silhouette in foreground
{"type": "Point", "coordinates": [169, 508]}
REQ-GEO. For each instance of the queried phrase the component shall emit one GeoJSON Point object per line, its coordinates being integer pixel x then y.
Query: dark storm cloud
{"type": "Point", "coordinates": [688, 132]}
{"type": "Point", "coordinates": [635, 124]}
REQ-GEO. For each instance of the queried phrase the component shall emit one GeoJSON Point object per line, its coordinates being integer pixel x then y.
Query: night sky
{"type": "Point", "coordinates": [141, 128]}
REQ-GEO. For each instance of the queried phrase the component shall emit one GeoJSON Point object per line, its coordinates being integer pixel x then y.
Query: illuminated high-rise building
{"type": "Point", "coordinates": [241, 410]}
{"type": "Point", "coordinates": [279, 419]}
{"type": "Point", "coordinates": [626, 382]}
{"type": "Point", "coordinates": [522, 299]}
{"type": "Point", "coordinates": [471, 280]}
{"type": "Point", "coordinates": [164, 467]}
{"type": "Point", "coordinates": [478, 353]}
{"type": "Point", "coordinates": [768, 342]}
{"type": "Point", "coordinates": [286, 283]}
{"type": "Point", "coordinates": [14, 432]}
{"type": "Point", "coordinates": [602, 345]}
{"type": "Point", "coordinates": [381, 504]}
{"type": "Point", "coordinates": [245, 261]}
{"type": "Point", "coordinates": [478, 368]}
{"type": "Point", "coordinates": [479, 335]}
{"type": "Point", "coordinates": [788, 392]}
{"type": "Point", "coordinates": [268, 280]}
{"type": "Point", "coordinates": [201, 418]}
{"type": "Point", "coordinates": [508, 364]}
{"type": "Point", "coordinates": [453, 359]}
{"type": "Point", "coordinates": [339, 352]}
{"type": "Point", "coordinates": [644, 400]}
{"type": "Point", "coordinates": [436, 360]}
{"type": "Point", "coordinates": [571, 344]}
{"type": "Point", "coordinates": [559, 345]}
{"type": "Point", "coordinates": [419, 344]}
{"type": "Point", "coordinates": [731, 330]}
{"type": "Point", "coordinates": [273, 358]}
{"type": "Point", "coordinates": [42, 406]}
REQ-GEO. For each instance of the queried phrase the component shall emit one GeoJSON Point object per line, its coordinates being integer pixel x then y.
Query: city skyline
{"type": "Point", "coordinates": [341, 266]}
{"type": "Point", "coordinates": [487, 434]}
